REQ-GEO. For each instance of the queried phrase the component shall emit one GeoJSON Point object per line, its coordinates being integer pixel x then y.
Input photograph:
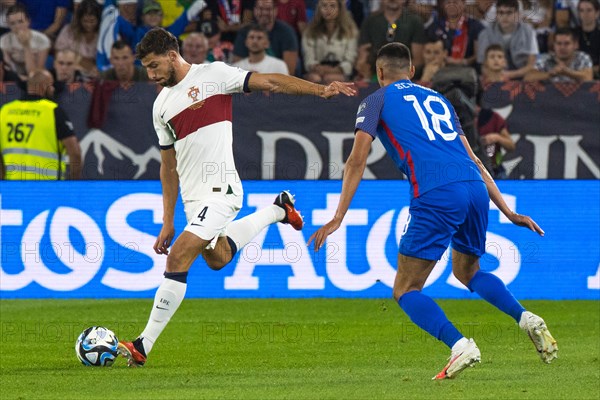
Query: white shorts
{"type": "Point", "coordinates": [208, 218]}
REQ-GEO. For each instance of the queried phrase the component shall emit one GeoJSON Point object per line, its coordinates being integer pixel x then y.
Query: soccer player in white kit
{"type": "Point", "coordinates": [192, 118]}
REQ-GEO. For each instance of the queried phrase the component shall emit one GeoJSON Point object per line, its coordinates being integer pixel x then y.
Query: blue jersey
{"type": "Point", "coordinates": [420, 130]}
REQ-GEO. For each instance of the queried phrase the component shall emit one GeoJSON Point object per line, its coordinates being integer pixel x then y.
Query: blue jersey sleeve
{"type": "Point", "coordinates": [369, 112]}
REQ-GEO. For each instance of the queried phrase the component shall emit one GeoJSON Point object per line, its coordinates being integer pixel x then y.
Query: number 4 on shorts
{"type": "Point", "coordinates": [202, 214]}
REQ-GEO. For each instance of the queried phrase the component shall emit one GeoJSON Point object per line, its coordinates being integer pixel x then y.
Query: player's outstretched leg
{"type": "Point", "coordinates": [427, 315]}
{"type": "Point", "coordinates": [243, 230]}
{"type": "Point", "coordinates": [167, 300]}
{"type": "Point", "coordinates": [286, 201]}
{"type": "Point", "coordinates": [495, 292]}
{"type": "Point", "coordinates": [539, 334]}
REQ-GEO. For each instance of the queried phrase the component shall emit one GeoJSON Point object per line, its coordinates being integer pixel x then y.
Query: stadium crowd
{"type": "Point", "coordinates": [319, 40]}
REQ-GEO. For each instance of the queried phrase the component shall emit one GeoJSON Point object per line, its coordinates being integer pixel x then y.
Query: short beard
{"type": "Point", "coordinates": [171, 80]}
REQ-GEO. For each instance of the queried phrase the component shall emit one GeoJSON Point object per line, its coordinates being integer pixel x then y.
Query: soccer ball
{"type": "Point", "coordinates": [97, 347]}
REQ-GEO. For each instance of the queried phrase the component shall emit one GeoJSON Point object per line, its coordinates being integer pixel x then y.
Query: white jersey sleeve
{"type": "Point", "coordinates": [166, 137]}
{"type": "Point", "coordinates": [234, 78]}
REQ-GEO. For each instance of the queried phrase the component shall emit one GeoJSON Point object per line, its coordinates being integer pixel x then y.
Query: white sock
{"type": "Point", "coordinates": [168, 297]}
{"type": "Point", "coordinates": [460, 344]}
{"type": "Point", "coordinates": [243, 230]}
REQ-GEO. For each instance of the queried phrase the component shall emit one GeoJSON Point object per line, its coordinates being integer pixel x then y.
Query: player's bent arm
{"type": "Point", "coordinates": [74, 151]}
{"type": "Point", "coordinates": [492, 189]}
{"type": "Point", "coordinates": [170, 184]}
{"type": "Point", "coordinates": [496, 196]}
{"type": "Point", "coordinates": [279, 83]}
{"type": "Point", "coordinates": [353, 171]}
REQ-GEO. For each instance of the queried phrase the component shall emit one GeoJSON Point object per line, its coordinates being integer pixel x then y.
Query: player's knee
{"type": "Point", "coordinates": [176, 263]}
{"type": "Point", "coordinates": [463, 276]}
{"type": "Point", "coordinates": [215, 265]}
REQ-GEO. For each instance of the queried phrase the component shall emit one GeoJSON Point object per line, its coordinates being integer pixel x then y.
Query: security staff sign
{"type": "Point", "coordinates": [94, 239]}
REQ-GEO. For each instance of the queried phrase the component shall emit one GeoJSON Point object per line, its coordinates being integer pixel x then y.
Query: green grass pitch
{"type": "Point", "coordinates": [295, 349]}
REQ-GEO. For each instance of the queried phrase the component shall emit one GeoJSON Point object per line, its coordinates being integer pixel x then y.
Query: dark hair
{"type": "Point", "coordinates": [594, 3]}
{"type": "Point", "coordinates": [396, 52]}
{"type": "Point", "coordinates": [87, 7]}
{"type": "Point", "coordinates": [17, 8]}
{"type": "Point", "coordinates": [493, 47]}
{"type": "Point", "coordinates": [157, 41]}
{"type": "Point", "coordinates": [257, 28]}
{"type": "Point", "coordinates": [120, 44]}
{"type": "Point", "coordinates": [566, 32]}
{"type": "Point", "coordinates": [508, 4]}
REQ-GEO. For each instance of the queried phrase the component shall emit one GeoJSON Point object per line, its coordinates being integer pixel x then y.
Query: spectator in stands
{"type": "Point", "coordinates": [517, 38]}
{"type": "Point", "coordinates": [4, 6]}
{"type": "Point", "coordinates": [195, 48]}
{"type": "Point", "coordinates": [65, 69]}
{"type": "Point", "coordinates": [293, 13]}
{"type": "Point", "coordinates": [434, 56]}
{"type": "Point", "coordinates": [565, 64]}
{"type": "Point", "coordinates": [495, 138]}
{"type": "Point", "coordinates": [494, 65]}
{"type": "Point", "coordinates": [589, 32]}
{"type": "Point", "coordinates": [50, 136]}
{"type": "Point", "coordinates": [480, 12]}
{"type": "Point", "coordinates": [539, 14]}
{"type": "Point", "coordinates": [458, 32]}
{"type": "Point", "coordinates": [127, 8]}
{"type": "Point", "coordinates": [257, 43]}
{"type": "Point", "coordinates": [229, 15]}
{"type": "Point", "coordinates": [394, 24]}
{"type": "Point", "coordinates": [282, 38]}
{"type": "Point", "coordinates": [152, 17]}
{"type": "Point", "coordinates": [123, 68]}
{"type": "Point", "coordinates": [81, 36]}
{"type": "Point", "coordinates": [25, 50]}
{"type": "Point", "coordinates": [218, 50]}
{"type": "Point", "coordinates": [47, 16]}
{"type": "Point", "coordinates": [329, 43]}
{"type": "Point", "coordinates": [565, 13]}
{"type": "Point", "coordinates": [426, 9]}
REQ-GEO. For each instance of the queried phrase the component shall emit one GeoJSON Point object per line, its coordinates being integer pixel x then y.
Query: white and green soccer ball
{"type": "Point", "coordinates": [97, 347]}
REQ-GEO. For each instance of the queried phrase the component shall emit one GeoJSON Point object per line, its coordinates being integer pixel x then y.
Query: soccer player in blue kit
{"type": "Point", "coordinates": [450, 193]}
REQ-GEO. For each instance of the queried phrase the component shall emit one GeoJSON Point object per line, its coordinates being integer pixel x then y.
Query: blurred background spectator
{"type": "Point", "coordinates": [50, 135]}
{"type": "Point", "coordinates": [24, 49]}
{"type": "Point", "coordinates": [218, 50]}
{"type": "Point", "coordinates": [123, 68]}
{"type": "Point", "coordinates": [257, 43]}
{"type": "Point", "coordinates": [494, 65]}
{"type": "Point", "coordinates": [565, 63]}
{"type": "Point", "coordinates": [589, 32]}
{"type": "Point", "coordinates": [4, 6]}
{"type": "Point", "coordinates": [457, 31]}
{"type": "Point", "coordinates": [81, 36]}
{"type": "Point", "coordinates": [516, 37]}
{"type": "Point", "coordinates": [495, 139]}
{"type": "Point", "coordinates": [394, 24]}
{"type": "Point", "coordinates": [65, 69]}
{"type": "Point", "coordinates": [434, 56]}
{"type": "Point", "coordinates": [194, 48]}
{"type": "Point", "coordinates": [127, 8]}
{"type": "Point", "coordinates": [329, 43]}
{"type": "Point", "coordinates": [47, 16]}
{"type": "Point", "coordinates": [293, 12]}
{"type": "Point", "coordinates": [282, 38]}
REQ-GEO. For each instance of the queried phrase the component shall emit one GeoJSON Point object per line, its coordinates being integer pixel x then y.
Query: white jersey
{"type": "Point", "coordinates": [194, 116]}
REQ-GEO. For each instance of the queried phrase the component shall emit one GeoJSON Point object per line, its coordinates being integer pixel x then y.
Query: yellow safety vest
{"type": "Point", "coordinates": [28, 141]}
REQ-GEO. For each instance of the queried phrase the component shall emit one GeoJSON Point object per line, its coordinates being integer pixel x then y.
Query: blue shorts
{"type": "Point", "coordinates": [456, 212]}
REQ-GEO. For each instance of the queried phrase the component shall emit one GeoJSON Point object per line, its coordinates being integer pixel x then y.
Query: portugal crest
{"type": "Point", "coordinates": [193, 93]}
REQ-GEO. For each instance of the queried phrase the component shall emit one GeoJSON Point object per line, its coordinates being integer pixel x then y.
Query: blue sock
{"type": "Point", "coordinates": [427, 315]}
{"type": "Point", "coordinates": [495, 292]}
